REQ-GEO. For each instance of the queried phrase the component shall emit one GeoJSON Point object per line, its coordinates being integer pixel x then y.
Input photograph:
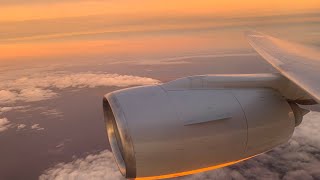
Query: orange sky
{"type": "Point", "coordinates": [16, 12]}
{"type": "Point", "coordinates": [43, 28]}
{"type": "Point", "coordinates": [133, 46]}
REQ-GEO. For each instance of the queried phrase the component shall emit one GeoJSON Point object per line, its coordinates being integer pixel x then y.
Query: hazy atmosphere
{"type": "Point", "coordinates": [58, 59]}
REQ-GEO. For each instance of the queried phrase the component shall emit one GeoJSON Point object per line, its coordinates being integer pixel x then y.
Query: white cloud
{"type": "Point", "coordinates": [8, 108]}
{"type": "Point", "coordinates": [37, 127]}
{"type": "Point", "coordinates": [51, 112]}
{"type": "Point", "coordinates": [298, 159]}
{"type": "Point", "coordinates": [96, 166]}
{"type": "Point", "coordinates": [7, 96]}
{"type": "Point", "coordinates": [21, 126]}
{"type": "Point", "coordinates": [40, 87]}
{"type": "Point", "coordinates": [4, 124]}
{"type": "Point", "coordinates": [78, 80]}
{"type": "Point", "coordinates": [29, 94]}
{"type": "Point", "coordinates": [35, 94]}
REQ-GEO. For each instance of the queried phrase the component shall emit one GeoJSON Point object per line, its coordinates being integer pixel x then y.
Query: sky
{"type": "Point", "coordinates": [143, 28]}
{"type": "Point", "coordinates": [58, 59]}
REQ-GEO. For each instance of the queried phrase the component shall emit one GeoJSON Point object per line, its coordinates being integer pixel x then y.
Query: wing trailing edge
{"type": "Point", "coordinates": [298, 63]}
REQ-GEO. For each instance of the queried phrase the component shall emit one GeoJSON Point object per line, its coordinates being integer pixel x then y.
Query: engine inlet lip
{"type": "Point", "coordinates": [119, 136]}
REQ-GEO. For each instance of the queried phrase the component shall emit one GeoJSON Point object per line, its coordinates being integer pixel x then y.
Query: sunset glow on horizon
{"type": "Point", "coordinates": [49, 10]}
{"type": "Point", "coordinates": [46, 28]}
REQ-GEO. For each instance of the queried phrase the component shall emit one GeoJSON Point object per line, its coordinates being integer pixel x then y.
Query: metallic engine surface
{"type": "Point", "coordinates": [165, 130]}
{"type": "Point", "coordinates": [119, 137]}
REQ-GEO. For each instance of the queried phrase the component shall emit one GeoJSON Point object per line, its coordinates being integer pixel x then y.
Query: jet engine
{"type": "Point", "coordinates": [196, 123]}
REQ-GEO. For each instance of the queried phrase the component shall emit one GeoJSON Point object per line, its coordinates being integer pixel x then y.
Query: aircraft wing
{"type": "Point", "coordinates": [300, 64]}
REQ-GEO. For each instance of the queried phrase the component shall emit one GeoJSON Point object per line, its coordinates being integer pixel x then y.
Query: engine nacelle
{"type": "Point", "coordinates": [156, 131]}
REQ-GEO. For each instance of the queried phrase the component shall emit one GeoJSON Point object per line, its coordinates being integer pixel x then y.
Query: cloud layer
{"type": "Point", "coordinates": [8, 108]}
{"type": "Point", "coordinates": [45, 86]}
{"type": "Point", "coordinates": [37, 127]}
{"type": "Point", "coordinates": [40, 87]}
{"type": "Point", "coordinates": [21, 126]}
{"type": "Point", "coordinates": [4, 124]}
{"type": "Point", "coordinates": [298, 159]}
{"type": "Point", "coordinates": [96, 166]}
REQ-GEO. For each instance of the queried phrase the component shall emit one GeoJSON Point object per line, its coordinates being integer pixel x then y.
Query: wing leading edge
{"type": "Point", "coordinates": [300, 64]}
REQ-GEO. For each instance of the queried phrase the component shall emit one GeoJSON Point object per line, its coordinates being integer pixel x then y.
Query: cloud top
{"type": "Point", "coordinates": [95, 166]}
{"type": "Point", "coordinates": [37, 127]}
{"type": "Point", "coordinates": [40, 87]}
{"type": "Point", "coordinates": [4, 124]}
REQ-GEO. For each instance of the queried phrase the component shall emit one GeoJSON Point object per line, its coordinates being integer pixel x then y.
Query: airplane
{"type": "Point", "coordinates": [204, 122]}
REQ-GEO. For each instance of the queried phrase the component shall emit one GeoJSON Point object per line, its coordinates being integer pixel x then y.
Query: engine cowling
{"type": "Point", "coordinates": [156, 131]}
